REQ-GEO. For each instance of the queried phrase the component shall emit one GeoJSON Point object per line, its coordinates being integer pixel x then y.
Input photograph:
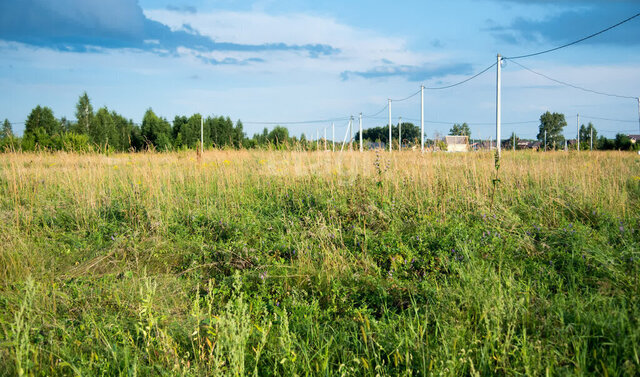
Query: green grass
{"type": "Point", "coordinates": [290, 263]}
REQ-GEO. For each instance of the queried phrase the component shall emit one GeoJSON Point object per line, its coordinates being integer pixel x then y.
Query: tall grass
{"type": "Point", "coordinates": [301, 263]}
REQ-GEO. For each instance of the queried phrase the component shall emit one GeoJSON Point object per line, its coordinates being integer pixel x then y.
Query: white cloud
{"type": "Point", "coordinates": [360, 49]}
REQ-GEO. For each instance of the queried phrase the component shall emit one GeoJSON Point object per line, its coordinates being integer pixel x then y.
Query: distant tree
{"type": "Point", "coordinates": [84, 114]}
{"type": "Point", "coordinates": [7, 130]}
{"type": "Point", "coordinates": [42, 122]}
{"type": "Point", "coordinates": [156, 131]}
{"type": "Point", "coordinates": [623, 142]}
{"type": "Point", "coordinates": [102, 130]}
{"type": "Point", "coordinates": [460, 130]}
{"type": "Point", "coordinates": [279, 136]}
{"type": "Point", "coordinates": [553, 125]}
{"type": "Point", "coordinates": [585, 134]}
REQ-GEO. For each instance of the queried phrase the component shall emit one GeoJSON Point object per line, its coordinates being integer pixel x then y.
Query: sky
{"type": "Point", "coordinates": [285, 61]}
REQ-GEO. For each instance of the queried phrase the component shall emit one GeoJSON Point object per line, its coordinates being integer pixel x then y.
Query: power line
{"type": "Point", "coordinates": [404, 99]}
{"type": "Point", "coordinates": [574, 86]}
{"type": "Point", "coordinates": [378, 113]}
{"type": "Point", "coordinates": [575, 42]}
{"type": "Point", "coordinates": [461, 82]}
{"type": "Point", "coordinates": [300, 122]}
{"type": "Point", "coordinates": [609, 119]}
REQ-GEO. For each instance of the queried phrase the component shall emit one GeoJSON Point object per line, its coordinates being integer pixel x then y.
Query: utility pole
{"type": "Point", "coordinates": [333, 135]}
{"type": "Point", "coordinates": [360, 127]}
{"type": "Point", "coordinates": [591, 138]}
{"type": "Point", "coordinates": [498, 137]}
{"type": "Point", "coordinates": [201, 134]}
{"type": "Point", "coordinates": [514, 141]}
{"type": "Point", "coordinates": [639, 114]}
{"type": "Point", "coordinates": [545, 140]}
{"type": "Point", "coordinates": [389, 106]}
{"type": "Point", "coordinates": [399, 133]}
{"type": "Point", "coordinates": [325, 139]}
{"type": "Point", "coordinates": [317, 140]}
{"type": "Point", "coordinates": [422, 117]}
{"type": "Point", "coordinates": [578, 128]}
{"type": "Point", "coordinates": [351, 133]}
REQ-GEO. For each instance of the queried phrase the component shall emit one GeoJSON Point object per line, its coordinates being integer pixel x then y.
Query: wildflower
{"type": "Point", "coordinates": [227, 162]}
{"type": "Point", "coordinates": [263, 275]}
{"type": "Point", "coordinates": [621, 228]}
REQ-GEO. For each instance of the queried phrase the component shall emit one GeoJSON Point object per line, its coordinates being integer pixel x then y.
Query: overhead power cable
{"type": "Point", "coordinates": [609, 119]}
{"type": "Point", "coordinates": [404, 99]}
{"type": "Point", "coordinates": [574, 86]}
{"type": "Point", "coordinates": [378, 113]}
{"type": "Point", "coordinates": [461, 82]}
{"type": "Point", "coordinates": [300, 122]}
{"type": "Point", "coordinates": [574, 42]}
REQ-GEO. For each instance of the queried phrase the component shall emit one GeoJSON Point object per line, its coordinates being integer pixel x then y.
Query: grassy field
{"type": "Point", "coordinates": [293, 263]}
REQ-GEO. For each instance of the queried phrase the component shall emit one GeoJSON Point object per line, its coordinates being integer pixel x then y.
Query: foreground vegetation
{"type": "Point", "coordinates": [297, 263]}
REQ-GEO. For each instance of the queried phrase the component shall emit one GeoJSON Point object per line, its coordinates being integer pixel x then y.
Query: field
{"type": "Point", "coordinates": [301, 263]}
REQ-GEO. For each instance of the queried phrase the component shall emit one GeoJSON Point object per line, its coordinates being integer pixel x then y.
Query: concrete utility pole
{"type": "Point", "coordinates": [514, 141]}
{"type": "Point", "coordinates": [325, 139]}
{"type": "Point", "coordinates": [545, 140]}
{"type": "Point", "coordinates": [422, 118]}
{"type": "Point", "coordinates": [317, 140]}
{"type": "Point", "coordinates": [578, 127]}
{"type": "Point", "coordinates": [351, 133]}
{"type": "Point", "coordinates": [201, 134]}
{"type": "Point", "coordinates": [360, 127]}
{"type": "Point", "coordinates": [399, 133]}
{"type": "Point", "coordinates": [591, 138]}
{"type": "Point", "coordinates": [638, 114]}
{"type": "Point", "coordinates": [333, 135]}
{"type": "Point", "coordinates": [498, 136]}
{"type": "Point", "coordinates": [389, 106]}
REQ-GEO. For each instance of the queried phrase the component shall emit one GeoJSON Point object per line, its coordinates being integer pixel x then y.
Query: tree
{"type": "Point", "coordinates": [7, 130]}
{"type": "Point", "coordinates": [156, 131]}
{"type": "Point", "coordinates": [553, 125]}
{"type": "Point", "coordinates": [84, 114]}
{"type": "Point", "coordinates": [623, 142]}
{"type": "Point", "coordinates": [102, 130]}
{"type": "Point", "coordinates": [585, 134]}
{"type": "Point", "coordinates": [42, 122]}
{"type": "Point", "coordinates": [460, 130]}
{"type": "Point", "coordinates": [279, 136]}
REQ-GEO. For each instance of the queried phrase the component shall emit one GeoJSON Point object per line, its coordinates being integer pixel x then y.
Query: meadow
{"type": "Point", "coordinates": [284, 263]}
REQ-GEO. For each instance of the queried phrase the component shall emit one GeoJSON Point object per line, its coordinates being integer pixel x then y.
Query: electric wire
{"type": "Point", "coordinates": [576, 41]}
{"type": "Point", "coordinates": [404, 99]}
{"type": "Point", "coordinates": [574, 86]}
{"type": "Point", "coordinates": [608, 119]}
{"type": "Point", "coordinates": [461, 82]}
{"type": "Point", "coordinates": [299, 122]}
{"type": "Point", "coordinates": [378, 113]}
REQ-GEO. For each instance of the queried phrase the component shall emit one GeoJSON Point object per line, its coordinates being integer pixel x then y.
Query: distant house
{"type": "Point", "coordinates": [457, 143]}
{"type": "Point", "coordinates": [634, 138]}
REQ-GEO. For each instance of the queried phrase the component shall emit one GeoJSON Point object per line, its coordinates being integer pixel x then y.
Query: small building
{"type": "Point", "coordinates": [634, 138]}
{"type": "Point", "coordinates": [457, 143]}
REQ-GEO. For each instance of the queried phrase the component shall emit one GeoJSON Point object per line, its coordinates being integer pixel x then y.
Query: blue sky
{"type": "Point", "coordinates": [294, 60]}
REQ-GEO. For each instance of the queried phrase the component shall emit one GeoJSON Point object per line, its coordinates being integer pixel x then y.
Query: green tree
{"type": "Point", "coordinates": [623, 142]}
{"type": "Point", "coordinates": [585, 135]}
{"type": "Point", "coordinates": [84, 115]}
{"type": "Point", "coordinates": [460, 130]}
{"type": "Point", "coordinates": [279, 136]}
{"type": "Point", "coordinates": [102, 130]}
{"type": "Point", "coordinates": [7, 130]}
{"type": "Point", "coordinates": [553, 125]}
{"type": "Point", "coordinates": [156, 131]}
{"type": "Point", "coordinates": [42, 122]}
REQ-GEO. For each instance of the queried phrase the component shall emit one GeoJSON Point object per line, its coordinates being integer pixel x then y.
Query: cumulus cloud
{"type": "Point", "coordinates": [572, 19]}
{"type": "Point", "coordinates": [80, 25]}
{"type": "Point", "coordinates": [411, 73]}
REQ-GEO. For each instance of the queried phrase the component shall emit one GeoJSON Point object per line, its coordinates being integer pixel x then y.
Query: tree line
{"type": "Point", "coordinates": [106, 130]}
